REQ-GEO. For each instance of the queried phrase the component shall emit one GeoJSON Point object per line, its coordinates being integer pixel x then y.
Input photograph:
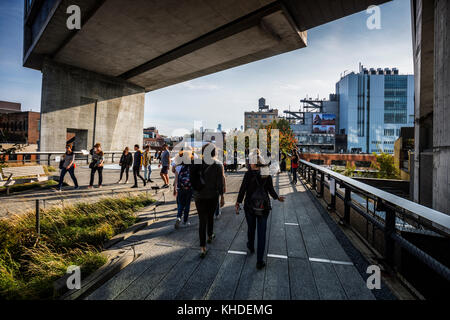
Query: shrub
{"type": "Point", "coordinates": [72, 235]}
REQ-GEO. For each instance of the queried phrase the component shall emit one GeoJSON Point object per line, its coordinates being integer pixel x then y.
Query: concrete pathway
{"type": "Point", "coordinates": [304, 259]}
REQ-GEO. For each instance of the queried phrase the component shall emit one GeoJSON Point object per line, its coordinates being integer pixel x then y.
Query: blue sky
{"type": "Point", "coordinates": [223, 97]}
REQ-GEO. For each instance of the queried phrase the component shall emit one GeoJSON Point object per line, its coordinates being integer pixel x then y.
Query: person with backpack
{"type": "Point", "coordinates": [182, 188]}
{"type": "Point", "coordinates": [126, 160]}
{"type": "Point", "coordinates": [256, 188]}
{"type": "Point", "coordinates": [207, 183]}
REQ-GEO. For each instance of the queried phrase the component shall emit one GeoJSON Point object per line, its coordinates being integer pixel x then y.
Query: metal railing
{"type": "Point", "coordinates": [50, 158]}
{"type": "Point", "coordinates": [389, 214]}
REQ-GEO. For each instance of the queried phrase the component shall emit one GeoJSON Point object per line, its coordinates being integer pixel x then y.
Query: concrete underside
{"type": "Point", "coordinates": [181, 40]}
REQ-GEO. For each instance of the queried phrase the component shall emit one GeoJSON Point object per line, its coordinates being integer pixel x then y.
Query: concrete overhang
{"type": "Point", "coordinates": [155, 43]}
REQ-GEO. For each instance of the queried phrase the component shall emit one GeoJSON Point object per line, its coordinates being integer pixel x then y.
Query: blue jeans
{"type": "Point", "coordinates": [256, 223]}
{"type": "Point", "coordinates": [72, 175]}
{"type": "Point", "coordinates": [216, 213]}
{"type": "Point", "coordinates": [184, 203]}
{"type": "Point", "coordinates": [149, 170]}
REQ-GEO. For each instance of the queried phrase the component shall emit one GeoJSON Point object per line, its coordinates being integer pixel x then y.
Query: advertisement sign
{"type": "Point", "coordinates": [324, 123]}
{"type": "Point", "coordinates": [324, 129]}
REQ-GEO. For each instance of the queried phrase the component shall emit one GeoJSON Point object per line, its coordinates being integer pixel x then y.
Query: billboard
{"type": "Point", "coordinates": [324, 123]}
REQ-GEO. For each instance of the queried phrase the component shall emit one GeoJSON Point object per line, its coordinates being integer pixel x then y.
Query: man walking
{"type": "Point", "coordinates": [147, 162]}
{"type": "Point", "coordinates": [137, 163]}
{"type": "Point", "coordinates": [165, 162]}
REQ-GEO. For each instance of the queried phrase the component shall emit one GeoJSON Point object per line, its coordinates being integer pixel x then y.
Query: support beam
{"type": "Point", "coordinates": [246, 22]}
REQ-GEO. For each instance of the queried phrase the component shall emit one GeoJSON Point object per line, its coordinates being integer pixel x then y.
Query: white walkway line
{"type": "Point", "coordinates": [331, 261]}
{"type": "Point", "coordinates": [237, 252]}
{"type": "Point", "coordinates": [291, 224]}
{"type": "Point", "coordinates": [163, 244]}
{"type": "Point", "coordinates": [277, 256]}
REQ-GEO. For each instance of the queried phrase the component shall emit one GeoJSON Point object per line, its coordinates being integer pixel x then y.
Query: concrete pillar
{"type": "Point", "coordinates": [441, 114]}
{"type": "Point", "coordinates": [422, 12]}
{"type": "Point", "coordinates": [88, 104]}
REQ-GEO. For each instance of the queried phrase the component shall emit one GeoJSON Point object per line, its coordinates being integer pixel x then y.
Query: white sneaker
{"type": "Point", "coordinates": [177, 223]}
{"type": "Point", "coordinates": [186, 224]}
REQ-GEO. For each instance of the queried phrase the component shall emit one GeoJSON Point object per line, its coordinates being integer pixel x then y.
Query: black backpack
{"type": "Point", "coordinates": [198, 176]}
{"type": "Point", "coordinates": [259, 200]}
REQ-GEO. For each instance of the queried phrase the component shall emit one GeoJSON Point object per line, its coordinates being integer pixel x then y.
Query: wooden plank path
{"type": "Point", "coordinates": [304, 258]}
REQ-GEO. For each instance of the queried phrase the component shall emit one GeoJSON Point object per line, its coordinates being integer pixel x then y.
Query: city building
{"type": "Point", "coordinates": [17, 126]}
{"type": "Point", "coordinates": [262, 117]}
{"type": "Point", "coordinates": [153, 138]}
{"type": "Point", "coordinates": [373, 105]}
{"type": "Point", "coordinates": [315, 125]}
{"type": "Point", "coordinates": [9, 107]}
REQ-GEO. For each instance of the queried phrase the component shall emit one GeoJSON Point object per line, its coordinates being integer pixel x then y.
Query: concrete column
{"type": "Point", "coordinates": [422, 12]}
{"type": "Point", "coordinates": [441, 114]}
{"type": "Point", "coordinates": [74, 99]}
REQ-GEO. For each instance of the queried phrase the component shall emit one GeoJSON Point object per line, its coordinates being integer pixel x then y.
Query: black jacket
{"type": "Point", "coordinates": [249, 186]}
{"type": "Point", "coordinates": [137, 161]}
{"type": "Point", "coordinates": [126, 160]}
{"type": "Point", "coordinates": [213, 175]}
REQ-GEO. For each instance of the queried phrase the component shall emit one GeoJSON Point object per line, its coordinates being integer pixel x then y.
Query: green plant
{"type": "Point", "coordinates": [73, 235]}
{"type": "Point", "coordinates": [385, 166]}
{"type": "Point", "coordinates": [349, 170]}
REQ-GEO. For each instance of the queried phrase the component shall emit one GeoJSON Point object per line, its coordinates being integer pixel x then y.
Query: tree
{"type": "Point", "coordinates": [385, 166]}
{"type": "Point", "coordinates": [287, 140]}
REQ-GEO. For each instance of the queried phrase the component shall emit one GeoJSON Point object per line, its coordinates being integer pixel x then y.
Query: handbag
{"type": "Point", "coordinates": [61, 164]}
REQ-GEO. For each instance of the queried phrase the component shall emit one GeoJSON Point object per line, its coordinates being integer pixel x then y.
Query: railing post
{"type": "Point", "coordinates": [347, 200]}
{"type": "Point", "coordinates": [314, 181]}
{"type": "Point", "coordinates": [48, 159]}
{"type": "Point", "coordinates": [389, 244]}
{"type": "Point", "coordinates": [322, 180]}
{"type": "Point", "coordinates": [112, 157]}
{"type": "Point", "coordinates": [332, 205]}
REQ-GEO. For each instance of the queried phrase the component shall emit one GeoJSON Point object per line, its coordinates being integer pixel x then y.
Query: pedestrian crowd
{"type": "Point", "coordinates": [201, 181]}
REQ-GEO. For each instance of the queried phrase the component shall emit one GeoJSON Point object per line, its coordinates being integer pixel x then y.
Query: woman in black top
{"type": "Point", "coordinates": [126, 160]}
{"type": "Point", "coordinates": [253, 182]}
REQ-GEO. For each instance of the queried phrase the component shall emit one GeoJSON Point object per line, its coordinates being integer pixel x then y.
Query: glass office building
{"type": "Point", "coordinates": [373, 105]}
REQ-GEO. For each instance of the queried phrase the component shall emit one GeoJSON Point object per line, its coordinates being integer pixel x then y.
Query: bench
{"type": "Point", "coordinates": [27, 171]}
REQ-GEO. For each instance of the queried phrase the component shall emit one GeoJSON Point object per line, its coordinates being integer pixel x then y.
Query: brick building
{"type": "Point", "coordinates": [17, 126]}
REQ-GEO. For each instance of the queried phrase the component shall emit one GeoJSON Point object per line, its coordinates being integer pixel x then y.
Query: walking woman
{"type": "Point", "coordinates": [68, 165]}
{"type": "Point", "coordinates": [126, 160]}
{"type": "Point", "coordinates": [256, 188]}
{"type": "Point", "coordinates": [207, 181]}
{"type": "Point", "coordinates": [96, 165]}
{"type": "Point", "coordinates": [294, 166]}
